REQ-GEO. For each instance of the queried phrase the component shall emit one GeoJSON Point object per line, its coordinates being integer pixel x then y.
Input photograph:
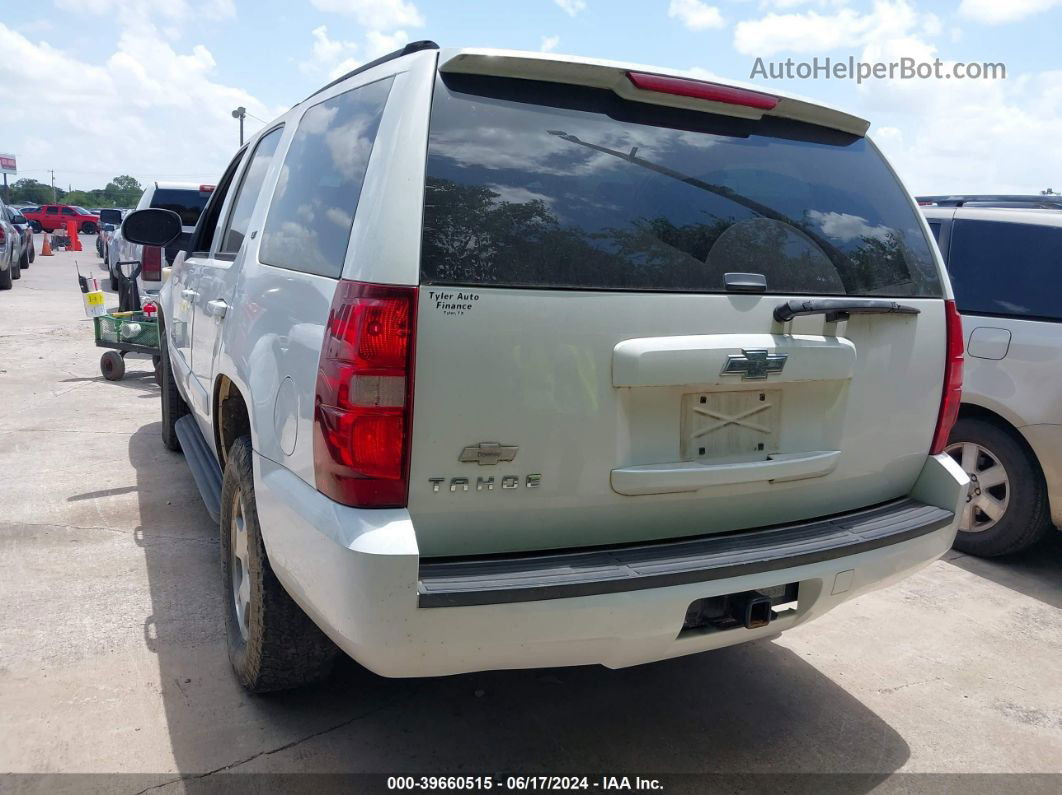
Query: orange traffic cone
{"type": "Point", "coordinates": [46, 249]}
{"type": "Point", "coordinates": [71, 232]}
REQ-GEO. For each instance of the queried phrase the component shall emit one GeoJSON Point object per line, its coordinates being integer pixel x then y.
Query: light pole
{"type": "Point", "coordinates": [239, 113]}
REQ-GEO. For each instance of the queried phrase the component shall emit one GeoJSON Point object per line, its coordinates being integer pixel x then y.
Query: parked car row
{"type": "Point", "coordinates": [17, 250]}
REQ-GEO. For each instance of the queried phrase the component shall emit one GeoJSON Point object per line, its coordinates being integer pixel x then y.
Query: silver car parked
{"type": "Point", "coordinates": [1005, 260]}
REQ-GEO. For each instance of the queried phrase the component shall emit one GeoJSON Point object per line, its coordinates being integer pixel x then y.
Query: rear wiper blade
{"type": "Point", "coordinates": [840, 308]}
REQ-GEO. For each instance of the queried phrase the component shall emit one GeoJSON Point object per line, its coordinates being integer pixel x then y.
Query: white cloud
{"type": "Point", "coordinates": [785, 4]}
{"type": "Point", "coordinates": [847, 227]}
{"type": "Point", "coordinates": [549, 43]}
{"type": "Point", "coordinates": [326, 54]}
{"type": "Point", "coordinates": [131, 110]}
{"type": "Point", "coordinates": [812, 32]}
{"type": "Point", "coordinates": [334, 57]}
{"type": "Point", "coordinates": [571, 7]}
{"type": "Point", "coordinates": [995, 12]}
{"type": "Point", "coordinates": [131, 12]}
{"type": "Point", "coordinates": [695, 15]}
{"type": "Point", "coordinates": [375, 14]}
{"type": "Point", "coordinates": [378, 43]}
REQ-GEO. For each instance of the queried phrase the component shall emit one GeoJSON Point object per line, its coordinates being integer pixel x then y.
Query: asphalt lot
{"type": "Point", "coordinates": [112, 656]}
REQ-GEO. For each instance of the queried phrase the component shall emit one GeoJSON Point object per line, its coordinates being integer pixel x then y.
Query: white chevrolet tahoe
{"type": "Point", "coordinates": [1005, 259]}
{"type": "Point", "coordinates": [486, 359]}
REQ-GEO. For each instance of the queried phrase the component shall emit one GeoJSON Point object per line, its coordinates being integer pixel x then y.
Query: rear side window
{"type": "Point", "coordinates": [541, 185]}
{"type": "Point", "coordinates": [1014, 270]}
{"type": "Point", "coordinates": [250, 187]}
{"type": "Point", "coordinates": [187, 203]}
{"type": "Point", "coordinates": [51, 211]}
{"type": "Point", "coordinates": [320, 182]}
{"type": "Point", "coordinates": [934, 227]}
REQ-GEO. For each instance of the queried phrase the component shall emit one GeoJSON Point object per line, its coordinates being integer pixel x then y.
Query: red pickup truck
{"type": "Point", "coordinates": [49, 217]}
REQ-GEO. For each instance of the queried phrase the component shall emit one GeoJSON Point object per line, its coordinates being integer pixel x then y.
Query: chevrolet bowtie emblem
{"type": "Point", "coordinates": [487, 453]}
{"type": "Point", "coordinates": [754, 365]}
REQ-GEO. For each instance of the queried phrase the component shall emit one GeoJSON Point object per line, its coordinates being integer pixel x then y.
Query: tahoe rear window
{"type": "Point", "coordinates": [186, 203]}
{"type": "Point", "coordinates": [542, 185]}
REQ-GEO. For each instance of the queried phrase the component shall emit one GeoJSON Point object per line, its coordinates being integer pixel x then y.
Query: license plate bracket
{"type": "Point", "coordinates": [730, 424]}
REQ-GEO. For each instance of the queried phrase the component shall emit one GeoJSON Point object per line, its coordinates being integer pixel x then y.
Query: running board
{"type": "Point", "coordinates": [205, 469]}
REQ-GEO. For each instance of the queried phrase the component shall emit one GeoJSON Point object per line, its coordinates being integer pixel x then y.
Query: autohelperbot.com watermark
{"type": "Point", "coordinates": [851, 69]}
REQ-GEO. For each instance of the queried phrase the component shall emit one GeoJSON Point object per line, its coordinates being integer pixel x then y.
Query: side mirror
{"type": "Point", "coordinates": [152, 227]}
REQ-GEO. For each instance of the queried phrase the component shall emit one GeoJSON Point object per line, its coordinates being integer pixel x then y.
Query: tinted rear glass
{"type": "Point", "coordinates": [186, 203]}
{"type": "Point", "coordinates": [1013, 270]}
{"type": "Point", "coordinates": [541, 185]}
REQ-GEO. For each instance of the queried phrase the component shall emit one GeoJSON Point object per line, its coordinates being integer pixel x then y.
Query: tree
{"type": "Point", "coordinates": [122, 191]}
{"type": "Point", "coordinates": [30, 190]}
{"type": "Point", "coordinates": [1048, 192]}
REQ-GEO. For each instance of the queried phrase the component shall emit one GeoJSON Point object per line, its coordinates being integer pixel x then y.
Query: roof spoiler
{"type": "Point", "coordinates": [635, 84]}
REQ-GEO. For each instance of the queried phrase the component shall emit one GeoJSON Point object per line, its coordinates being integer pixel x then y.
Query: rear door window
{"type": "Point", "coordinates": [1006, 269]}
{"type": "Point", "coordinates": [319, 186]}
{"type": "Point", "coordinates": [542, 185]}
{"type": "Point", "coordinates": [51, 211]}
{"type": "Point", "coordinates": [248, 192]}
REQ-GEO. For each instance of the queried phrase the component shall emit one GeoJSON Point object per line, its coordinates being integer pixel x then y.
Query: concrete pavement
{"type": "Point", "coordinates": [112, 655]}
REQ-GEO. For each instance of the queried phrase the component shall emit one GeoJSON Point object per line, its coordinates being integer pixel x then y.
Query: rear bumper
{"type": "Point", "coordinates": [358, 575]}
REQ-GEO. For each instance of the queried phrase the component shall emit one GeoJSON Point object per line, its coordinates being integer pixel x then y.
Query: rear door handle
{"type": "Point", "coordinates": [218, 307]}
{"type": "Point", "coordinates": [188, 295]}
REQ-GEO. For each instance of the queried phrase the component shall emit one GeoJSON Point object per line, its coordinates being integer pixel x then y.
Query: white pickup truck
{"type": "Point", "coordinates": [486, 359]}
{"type": "Point", "coordinates": [185, 199]}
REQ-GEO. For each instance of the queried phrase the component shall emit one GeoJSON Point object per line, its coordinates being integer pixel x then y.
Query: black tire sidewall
{"type": "Point", "coordinates": [236, 470]}
{"type": "Point", "coordinates": [1021, 523]}
{"type": "Point", "coordinates": [112, 365]}
{"type": "Point", "coordinates": [173, 405]}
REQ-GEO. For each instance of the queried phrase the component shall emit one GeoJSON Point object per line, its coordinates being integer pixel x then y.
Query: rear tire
{"type": "Point", "coordinates": [273, 645]}
{"type": "Point", "coordinates": [15, 269]}
{"type": "Point", "coordinates": [88, 228]}
{"type": "Point", "coordinates": [173, 405]}
{"type": "Point", "coordinates": [1025, 519]}
{"type": "Point", "coordinates": [5, 279]}
{"type": "Point", "coordinates": [112, 365]}
{"type": "Point", "coordinates": [36, 227]}
{"type": "Point", "coordinates": [24, 262]}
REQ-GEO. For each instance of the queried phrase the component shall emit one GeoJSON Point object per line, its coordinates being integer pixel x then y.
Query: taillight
{"type": "Point", "coordinates": [698, 89]}
{"type": "Point", "coordinates": [151, 262]}
{"type": "Point", "coordinates": [951, 397]}
{"type": "Point", "coordinates": [363, 411]}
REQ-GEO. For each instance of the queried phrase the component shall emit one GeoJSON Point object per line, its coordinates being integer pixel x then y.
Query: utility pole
{"type": "Point", "coordinates": [54, 199]}
{"type": "Point", "coordinates": [239, 113]}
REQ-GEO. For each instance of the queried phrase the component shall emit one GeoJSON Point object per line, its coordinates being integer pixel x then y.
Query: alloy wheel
{"type": "Point", "coordinates": [239, 562]}
{"type": "Point", "coordinates": [989, 490]}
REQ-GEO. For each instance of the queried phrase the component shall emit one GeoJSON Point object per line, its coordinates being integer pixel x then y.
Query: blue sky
{"type": "Point", "coordinates": [146, 86]}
